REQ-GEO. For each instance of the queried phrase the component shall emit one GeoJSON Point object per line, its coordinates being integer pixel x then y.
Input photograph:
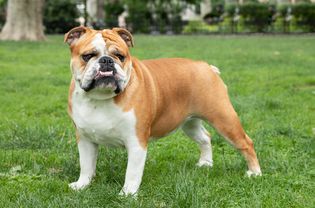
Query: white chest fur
{"type": "Point", "coordinates": [102, 121]}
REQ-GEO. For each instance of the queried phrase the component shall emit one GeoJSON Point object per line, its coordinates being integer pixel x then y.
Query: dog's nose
{"type": "Point", "coordinates": [107, 61]}
{"type": "Point", "coordinates": [107, 64]}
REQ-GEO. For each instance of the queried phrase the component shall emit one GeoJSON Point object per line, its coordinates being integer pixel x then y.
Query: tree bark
{"type": "Point", "coordinates": [24, 21]}
{"type": "Point", "coordinates": [96, 13]}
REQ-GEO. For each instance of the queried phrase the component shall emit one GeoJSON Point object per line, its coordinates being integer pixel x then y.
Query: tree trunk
{"type": "Point", "coordinates": [96, 13]}
{"type": "Point", "coordinates": [24, 20]}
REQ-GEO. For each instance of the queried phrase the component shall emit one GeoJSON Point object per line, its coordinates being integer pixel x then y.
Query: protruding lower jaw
{"type": "Point", "coordinates": [87, 86]}
{"type": "Point", "coordinates": [96, 81]}
{"type": "Point", "coordinates": [103, 82]}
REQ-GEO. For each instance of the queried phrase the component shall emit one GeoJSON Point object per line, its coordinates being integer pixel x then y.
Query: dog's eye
{"type": "Point", "coordinates": [87, 57]}
{"type": "Point", "coordinates": [120, 57]}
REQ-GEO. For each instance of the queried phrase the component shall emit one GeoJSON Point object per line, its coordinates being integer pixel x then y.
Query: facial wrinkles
{"type": "Point", "coordinates": [99, 44]}
{"type": "Point", "coordinates": [111, 47]}
{"type": "Point", "coordinates": [124, 75]}
{"type": "Point", "coordinates": [75, 70]}
{"type": "Point", "coordinates": [92, 66]}
{"type": "Point", "coordinates": [88, 76]}
{"type": "Point", "coordinates": [120, 71]}
{"type": "Point", "coordinates": [112, 37]}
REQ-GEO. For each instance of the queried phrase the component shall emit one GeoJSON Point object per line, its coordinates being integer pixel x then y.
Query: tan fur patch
{"type": "Point", "coordinates": [71, 89]}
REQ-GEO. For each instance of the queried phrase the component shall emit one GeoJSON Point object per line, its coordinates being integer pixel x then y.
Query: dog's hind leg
{"type": "Point", "coordinates": [226, 121]}
{"type": "Point", "coordinates": [194, 129]}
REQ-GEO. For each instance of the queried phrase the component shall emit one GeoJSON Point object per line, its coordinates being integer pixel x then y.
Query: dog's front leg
{"type": "Point", "coordinates": [88, 156]}
{"type": "Point", "coordinates": [136, 161]}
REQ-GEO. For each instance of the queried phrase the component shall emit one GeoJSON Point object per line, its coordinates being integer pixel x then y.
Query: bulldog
{"type": "Point", "coordinates": [117, 100]}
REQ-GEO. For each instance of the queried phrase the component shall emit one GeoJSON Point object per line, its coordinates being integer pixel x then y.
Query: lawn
{"type": "Point", "coordinates": [271, 81]}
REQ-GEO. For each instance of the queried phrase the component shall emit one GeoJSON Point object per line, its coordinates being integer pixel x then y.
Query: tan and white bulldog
{"type": "Point", "coordinates": [117, 100]}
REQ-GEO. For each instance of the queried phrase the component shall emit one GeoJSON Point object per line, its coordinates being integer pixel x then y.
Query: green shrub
{"type": "Point", "coordinates": [3, 4]}
{"type": "Point", "coordinates": [285, 20]}
{"type": "Point", "coordinates": [139, 17]}
{"type": "Point", "coordinates": [304, 14]}
{"type": "Point", "coordinates": [257, 17]}
{"type": "Point", "coordinates": [60, 15]}
{"type": "Point", "coordinates": [177, 24]}
{"type": "Point", "coordinates": [194, 27]}
{"type": "Point", "coordinates": [283, 9]}
{"type": "Point", "coordinates": [200, 27]}
{"type": "Point", "coordinates": [230, 9]}
{"type": "Point", "coordinates": [156, 16]}
{"type": "Point", "coordinates": [229, 24]}
{"type": "Point", "coordinates": [112, 10]}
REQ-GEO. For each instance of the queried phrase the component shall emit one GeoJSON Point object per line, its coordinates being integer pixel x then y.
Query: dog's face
{"type": "Point", "coordinates": [100, 59]}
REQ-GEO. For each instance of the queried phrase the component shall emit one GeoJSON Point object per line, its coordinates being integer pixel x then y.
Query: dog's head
{"type": "Point", "coordinates": [100, 59]}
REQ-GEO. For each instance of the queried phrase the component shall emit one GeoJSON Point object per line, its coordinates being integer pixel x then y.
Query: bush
{"type": "Point", "coordinates": [257, 17]}
{"type": "Point", "coordinates": [304, 14]}
{"type": "Point", "coordinates": [139, 17]}
{"type": "Point", "coordinates": [199, 27]}
{"type": "Point", "coordinates": [156, 16]}
{"type": "Point", "coordinates": [215, 16]}
{"type": "Point", "coordinates": [284, 9]}
{"type": "Point", "coordinates": [285, 19]}
{"type": "Point", "coordinates": [112, 10]}
{"type": "Point", "coordinates": [3, 4]}
{"type": "Point", "coordinates": [60, 15]}
{"type": "Point", "coordinates": [139, 22]}
{"type": "Point", "coordinates": [230, 9]}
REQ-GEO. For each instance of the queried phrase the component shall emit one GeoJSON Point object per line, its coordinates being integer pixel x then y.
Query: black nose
{"type": "Point", "coordinates": [107, 63]}
{"type": "Point", "coordinates": [106, 60]}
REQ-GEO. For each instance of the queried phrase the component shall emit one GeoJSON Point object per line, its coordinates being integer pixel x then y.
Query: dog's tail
{"type": "Point", "coordinates": [215, 69]}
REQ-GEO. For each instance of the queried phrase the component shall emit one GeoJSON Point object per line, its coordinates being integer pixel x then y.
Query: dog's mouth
{"type": "Point", "coordinates": [104, 80]}
{"type": "Point", "coordinates": [101, 74]}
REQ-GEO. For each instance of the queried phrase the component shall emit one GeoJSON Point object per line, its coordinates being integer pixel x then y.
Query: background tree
{"type": "Point", "coordinates": [24, 20]}
{"type": "Point", "coordinates": [113, 8]}
{"type": "Point", "coordinates": [96, 13]}
{"type": "Point", "coordinates": [156, 16]}
{"type": "Point", "coordinates": [60, 16]}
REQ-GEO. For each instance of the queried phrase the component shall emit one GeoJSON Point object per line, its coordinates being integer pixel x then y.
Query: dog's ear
{"type": "Point", "coordinates": [125, 35]}
{"type": "Point", "coordinates": [74, 34]}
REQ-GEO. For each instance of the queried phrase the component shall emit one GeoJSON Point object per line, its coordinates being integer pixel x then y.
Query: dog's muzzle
{"type": "Point", "coordinates": [105, 76]}
{"type": "Point", "coordinates": [107, 64]}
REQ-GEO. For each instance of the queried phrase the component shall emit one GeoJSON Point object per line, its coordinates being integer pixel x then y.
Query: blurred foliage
{"type": "Point", "coordinates": [3, 4]}
{"type": "Point", "coordinates": [199, 27]}
{"type": "Point", "coordinates": [60, 15]}
{"type": "Point", "coordinates": [196, 26]}
{"type": "Point", "coordinates": [156, 16]}
{"type": "Point", "coordinates": [164, 16]}
{"type": "Point", "coordinates": [139, 16]}
{"type": "Point", "coordinates": [231, 9]}
{"type": "Point", "coordinates": [112, 10]}
{"type": "Point", "coordinates": [304, 14]}
{"type": "Point", "coordinates": [257, 17]}
{"type": "Point", "coordinates": [216, 15]}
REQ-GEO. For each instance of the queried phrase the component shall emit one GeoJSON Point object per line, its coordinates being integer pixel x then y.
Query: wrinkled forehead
{"type": "Point", "coordinates": [100, 41]}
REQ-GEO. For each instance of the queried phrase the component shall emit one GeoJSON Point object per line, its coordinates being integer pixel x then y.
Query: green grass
{"type": "Point", "coordinates": [271, 82]}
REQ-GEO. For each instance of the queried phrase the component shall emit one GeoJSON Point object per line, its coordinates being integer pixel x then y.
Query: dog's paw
{"type": "Point", "coordinates": [128, 193]}
{"type": "Point", "coordinates": [79, 185]}
{"type": "Point", "coordinates": [204, 163]}
{"type": "Point", "coordinates": [250, 173]}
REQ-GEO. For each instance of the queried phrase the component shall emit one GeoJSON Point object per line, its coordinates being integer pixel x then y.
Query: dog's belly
{"type": "Point", "coordinates": [102, 122]}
